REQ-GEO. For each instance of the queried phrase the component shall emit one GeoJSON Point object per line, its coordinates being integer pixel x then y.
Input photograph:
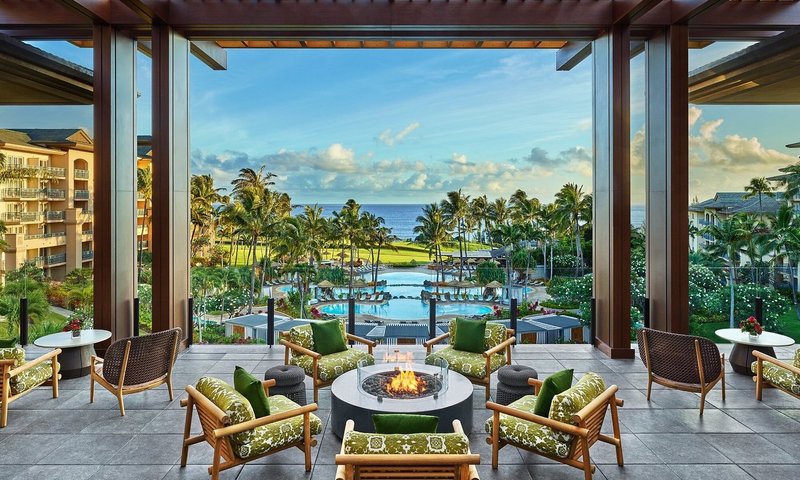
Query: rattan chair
{"type": "Point", "coordinates": [136, 364]}
{"type": "Point", "coordinates": [682, 362]}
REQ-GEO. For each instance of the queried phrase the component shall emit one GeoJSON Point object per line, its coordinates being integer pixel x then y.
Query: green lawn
{"type": "Point", "coordinates": [791, 328]}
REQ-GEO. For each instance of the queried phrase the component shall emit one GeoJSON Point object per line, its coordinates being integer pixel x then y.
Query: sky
{"type": "Point", "coordinates": [406, 126]}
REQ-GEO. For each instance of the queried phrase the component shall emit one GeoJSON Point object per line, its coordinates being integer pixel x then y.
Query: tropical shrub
{"type": "Point", "coordinates": [775, 304]}
{"type": "Point", "coordinates": [487, 272]}
{"type": "Point", "coordinates": [335, 275]}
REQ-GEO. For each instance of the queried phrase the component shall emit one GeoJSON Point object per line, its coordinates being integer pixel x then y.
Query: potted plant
{"type": "Point", "coordinates": [74, 326]}
{"type": "Point", "coordinates": [751, 327]}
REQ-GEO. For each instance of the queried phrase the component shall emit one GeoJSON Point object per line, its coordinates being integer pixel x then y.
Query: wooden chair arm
{"type": "Point", "coordinates": [266, 384]}
{"type": "Point", "coordinates": [531, 417]}
{"type": "Point", "coordinates": [4, 363]}
{"type": "Point", "coordinates": [435, 340]}
{"type": "Point", "coordinates": [301, 350]}
{"type": "Point", "coordinates": [258, 422]}
{"type": "Point", "coordinates": [500, 347]}
{"type": "Point", "coordinates": [766, 358]}
{"type": "Point", "coordinates": [361, 340]}
{"type": "Point", "coordinates": [47, 356]}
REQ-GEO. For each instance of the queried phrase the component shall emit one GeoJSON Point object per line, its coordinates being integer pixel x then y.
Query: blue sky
{"type": "Point", "coordinates": [405, 126]}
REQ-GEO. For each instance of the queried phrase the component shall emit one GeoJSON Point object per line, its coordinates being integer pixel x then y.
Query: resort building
{"type": "Point", "coordinates": [47, 203]}
{"type": "Point", "coordinates": [722, 206]}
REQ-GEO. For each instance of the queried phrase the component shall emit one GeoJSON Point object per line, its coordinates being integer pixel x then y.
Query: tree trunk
{"type": "Point", "coordinates": [252, 279]}
{"type": "Point", "coordinates": [377, 264]}
{"type": "Point", "coordinates": [731, 282]}
{"type": "Point", "coordinates": [578, 249]}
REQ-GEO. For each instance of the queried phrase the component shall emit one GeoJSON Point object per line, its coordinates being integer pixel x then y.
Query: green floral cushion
{"type": "Point", "coordinates": [333, 365]}
{"type": "Point", "coordinates": [231, 402]}
{"type": "Point", "coordinates": [33, 377]}
{"type": "Point", "coordinates": [279, 434]}
{"type": "Point", "coordinates": [797, 358]}
{"type": "Point", "coordinates": [466, 363]}
{"type": "Point", "coordinates": [357, 443]}
{"type": "Point", "coordinates": [16, 353]}
{"type": "Point", "coordinates": [780, 377]}
{"type": "Point", "coordinates": [566, 405]}
{"type": "Point", "coordinates": [495, 334]}
{"type": "Point", "coordinates": [528, 434]}
{"type": "Point", "coordinates": [303, 336]}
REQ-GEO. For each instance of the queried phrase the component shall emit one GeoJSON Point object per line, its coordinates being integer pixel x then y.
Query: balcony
{"type": "Point", "coordinates": [87, 255]}
{"type": "Point", "coordinates": [45, 240]}
{"type": "Point", "coordinates": [82, 174]}
{"type": "Point", "coordinates": [29, 193]}
{"type": "Point", "coordinates": [57, 172]}
{"type": "Point", "coordinates": [86, 235]}
{"type": "Point", "coordinates": [51, 260]}
{"type": "Point", "coordinates": [54, 215]}
{"type": "Point", "coordinates": [54, 193]}
{"type": "Point", "coordinates": [81, 194]}
{"type": "Point", "coordinates": [140, 212]}
{"type": "Point", "coordinates": [11, 193]}
{"type": "Point", "coordinates": [22, 217]}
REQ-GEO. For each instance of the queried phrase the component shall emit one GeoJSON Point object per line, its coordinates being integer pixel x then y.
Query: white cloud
{"type": "Point", "coordinates": [390, 139]}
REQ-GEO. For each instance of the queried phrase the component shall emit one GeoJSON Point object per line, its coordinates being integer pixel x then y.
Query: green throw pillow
{"type": "Point", "coordinates": [251, 388]}
{"type": "Point", "coordinates": [404, 423]}
{"type": "Point", "coordinates": [328, 337]}
{"type": "Point", "coordinates": [553, 385]}
{"type": "Point", "coordinates": [470, 335]}
{"type": "Point", "coordinates": [8, 342]}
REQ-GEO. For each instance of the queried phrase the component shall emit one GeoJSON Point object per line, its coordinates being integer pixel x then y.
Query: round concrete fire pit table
{"type": "Point", "coordinates": [741, 357]}
{"type": "Point", "coordinates": [76, 354]}
{"type": "Point", "coordinates": [349, 402]}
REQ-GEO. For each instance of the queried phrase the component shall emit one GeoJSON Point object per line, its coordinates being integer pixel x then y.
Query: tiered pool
{"type": "Point", "coordinates": [409, 284]}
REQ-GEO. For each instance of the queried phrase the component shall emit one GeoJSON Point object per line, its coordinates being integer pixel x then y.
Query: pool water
{"type": "Point", "coordinates": [407, 309]}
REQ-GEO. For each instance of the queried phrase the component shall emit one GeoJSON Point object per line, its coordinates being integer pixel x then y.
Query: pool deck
{"type": "Point", "coordinates": [665, 438]}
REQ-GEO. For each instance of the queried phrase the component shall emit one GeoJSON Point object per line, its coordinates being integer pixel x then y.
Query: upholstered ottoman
{"type": "Point", "coordinates": [512, 383]}
{"type": "Point", "coordinates": [289, 382]}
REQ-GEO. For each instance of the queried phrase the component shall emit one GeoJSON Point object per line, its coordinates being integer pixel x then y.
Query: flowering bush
{"type": "Point", "coordinates": [315, 313]}
{"type": "Point", "coordinates": [751, 326]}
{"type": "Point", "coordinates": [745, 295]}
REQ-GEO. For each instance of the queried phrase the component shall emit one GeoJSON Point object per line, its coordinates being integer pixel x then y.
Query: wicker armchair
{"type": "Point", "coordinates": [372, 455]}
{"type": "Point", "coordinates": [136, 364]}
{"type": "Point", "coordinates": [477, 367]}
{"type": "Point", "coordinates": [566, 435]}
{"type": "Point", "coordinates": [682, 362]}
{"type": "Point", "coordinates": [323, 369]}
{"type": "Point", "coordinates": [20, 376]}
{"type": "Point", "coordinates": [773, 373]}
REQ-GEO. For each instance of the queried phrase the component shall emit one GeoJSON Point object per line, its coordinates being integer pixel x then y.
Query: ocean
{"type": "Point", "coordinates": [401, 218]}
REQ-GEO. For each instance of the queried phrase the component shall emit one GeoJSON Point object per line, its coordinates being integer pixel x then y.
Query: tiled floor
{"type": "Point", "coordinates": [69, 438]}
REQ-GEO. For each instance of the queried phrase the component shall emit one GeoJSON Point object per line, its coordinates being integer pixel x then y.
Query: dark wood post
{"type": "Point", "coordinates": [270, 322]}
{"type": "Point", "coordinates": [431, 318]}
{"type": "Point", "coordinates": [612, 199]}
{"type": "Point", "coordinates": [351, 316]}
{"type": "Point", "coordinates": [115, 182]}
{"type": "Point", "coordinates": [170, 178]}
{"type": "Point", "coordinates": [667, 178]}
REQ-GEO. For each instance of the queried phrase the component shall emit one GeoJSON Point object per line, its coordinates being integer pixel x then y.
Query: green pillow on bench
{"type": "Point", "coordinates": [404, 423]}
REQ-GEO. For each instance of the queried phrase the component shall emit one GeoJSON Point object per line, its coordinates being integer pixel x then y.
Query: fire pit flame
{"type": "Point", "coordinates": [406, 382]}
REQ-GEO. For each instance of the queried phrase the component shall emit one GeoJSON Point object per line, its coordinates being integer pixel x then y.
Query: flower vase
{"type": "Point", "coordinates": [76, 333]}
{"type": "Point", "coordinates": [753, 338]}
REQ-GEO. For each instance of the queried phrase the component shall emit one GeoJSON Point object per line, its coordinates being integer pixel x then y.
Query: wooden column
{"type": "Point", "coordinates": [612, 199]}
{"type": "Point", "coordinates": [115, 181]}
{"type": "Point", "coordinates": [668, 179]}
{"type": "Point", "coordinates": [170, 222]}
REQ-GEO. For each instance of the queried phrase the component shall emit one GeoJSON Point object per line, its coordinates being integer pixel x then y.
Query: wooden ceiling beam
{"type": "Point", "coordinates": [571, 54]}
{"type": "Point", "coordinates": [210, 53]}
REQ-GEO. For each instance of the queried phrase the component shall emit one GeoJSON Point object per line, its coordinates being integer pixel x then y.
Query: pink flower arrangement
{"type": "Point", "coordinates": [315, 312]}
{"type": "Point", "coordinates": [751, 326]}
{"type": "Point", "coordinates": [497, 310]}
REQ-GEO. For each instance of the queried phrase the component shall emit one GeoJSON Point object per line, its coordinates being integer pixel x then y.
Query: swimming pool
{"type": "Point", "coordinates": [407, 309]}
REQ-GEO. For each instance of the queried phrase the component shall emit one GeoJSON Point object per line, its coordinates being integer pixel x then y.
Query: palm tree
{"type": "Point", "coordinates": [383, 238]}
{"type": "Point", "coordinates": [525, 211]}
{"type": "Point", "coordinates": [791, 181]}
{"type": "Point", "coordinates": [759, 186]}
{"type": "Point", "coordinates": [348, 220]}
{"type": "Point", "coordinates": [729, 236]}
{"type": "Point", "coordinates": [573, 206]}
{"type": "Point", "coordinates": [550, 227]}
{"type": "Point", "coordinates": [508, 236]}
{"type": "Point", "coordinates": [431, 230]}
{"type": "Point", "coordinates": [456, 209]}
{"type": "Point", "coordinates": [479, 208]}
{"type": "Point", "coordinates": [144, 189]}
{"type": "Point", "coordinates": [784, 240]}
{"type": "Point", "coordinates": [202, 199]}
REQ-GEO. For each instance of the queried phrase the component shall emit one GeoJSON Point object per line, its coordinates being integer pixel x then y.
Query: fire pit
{"type": "Point", "coordinates": [400, 386]}
{"type": "Point", "coordinates": [400, 380]}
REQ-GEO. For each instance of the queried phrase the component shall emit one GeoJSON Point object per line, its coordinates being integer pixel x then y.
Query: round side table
{"type": "Point", "coordinates": [75, 358]}
{"type": "Point", "coordinates": [289, 382]}
{"type": "Point", "coordinates": [741, 357]}
{"type": "Point", "coordinates": [512, 383]}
